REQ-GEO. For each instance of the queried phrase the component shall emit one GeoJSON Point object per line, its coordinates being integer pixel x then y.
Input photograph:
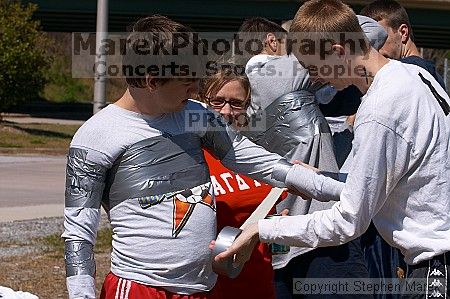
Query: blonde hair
{"type": "Point", "coordinates": [324, 20]}
{"type": "Point", "coordinates": [210, 86]}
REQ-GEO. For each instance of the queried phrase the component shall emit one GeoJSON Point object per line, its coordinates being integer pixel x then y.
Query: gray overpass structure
{"type": "Point", "coordinates": [430, 19]}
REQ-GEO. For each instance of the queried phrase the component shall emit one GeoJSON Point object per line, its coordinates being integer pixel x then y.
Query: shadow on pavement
{"type": "Point", "coordinates": [37, 132]}
{"type": "Point", "coordinates": [45, 109]}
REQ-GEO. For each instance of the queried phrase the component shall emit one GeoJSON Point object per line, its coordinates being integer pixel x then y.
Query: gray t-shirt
{"type": "Point", "coordinates": [165, 245]}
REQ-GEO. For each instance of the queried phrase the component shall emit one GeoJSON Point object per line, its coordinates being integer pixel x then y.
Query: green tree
{"type": "Point", "coordinates": [23, 58]}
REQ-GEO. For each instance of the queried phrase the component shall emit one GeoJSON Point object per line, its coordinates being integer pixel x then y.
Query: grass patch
{"type": "Point", "coordinates": [104, 240]}
{"type": "Point", "coordinates": [55, 244]}
{"type": "Point", "coordinates": [53, 137]}
{"type": "Point", "coordinates": [36, 264]}
{"type": "Point", "coordinates": [8, 145]}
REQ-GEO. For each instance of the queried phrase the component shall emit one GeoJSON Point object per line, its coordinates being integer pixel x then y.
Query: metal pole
{"type": "Point", "coordinates": [446, 72]}
{"type": "Point", "coordinates": [100, 57]}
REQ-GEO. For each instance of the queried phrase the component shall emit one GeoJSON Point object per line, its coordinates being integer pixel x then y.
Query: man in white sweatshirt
{"type": "Point", "coordinates": [401, 171]}
{"type": "Point", "coordinates": [286, 98]}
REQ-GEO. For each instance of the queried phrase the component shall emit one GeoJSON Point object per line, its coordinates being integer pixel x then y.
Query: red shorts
{"type": "Point", "coordinates": [119, 288]}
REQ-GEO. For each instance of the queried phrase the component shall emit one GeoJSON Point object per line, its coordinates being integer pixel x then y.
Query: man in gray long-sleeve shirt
{"type": "Point", "coordinates": [141, 158]}
{"type": "Point", "coordinates": [400, 177]}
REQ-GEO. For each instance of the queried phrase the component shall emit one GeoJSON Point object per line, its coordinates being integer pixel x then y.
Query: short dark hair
{"type": "Point", "coordinates": [389, 10]}
{"type": "Point", "coordinates": [261, 27]}
{"type": "Point", "coordinates": [257, 29]}
{"type": "Point", "coordinates": [158, 32]}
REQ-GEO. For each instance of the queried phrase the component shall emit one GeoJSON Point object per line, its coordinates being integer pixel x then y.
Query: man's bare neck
{"type": "Point", "coordinates": [371, 63]}
{"type": "Point", "coordinates": [411, 50]}
{"type": "Point", "coordinates": [137, 100]}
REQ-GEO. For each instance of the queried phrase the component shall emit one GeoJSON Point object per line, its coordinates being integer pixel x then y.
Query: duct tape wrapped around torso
{"type": "Point", "coordinates": [151, 176]}
{"type": "Point", "coordinates": [294, 127]}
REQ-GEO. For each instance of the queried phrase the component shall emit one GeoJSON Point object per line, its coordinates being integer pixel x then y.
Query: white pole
{"type": "Point", "coordinates": [100, 57]}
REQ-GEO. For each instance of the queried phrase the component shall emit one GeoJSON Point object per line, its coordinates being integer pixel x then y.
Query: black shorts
{"type": "Point", "coordinates": [433, 275]}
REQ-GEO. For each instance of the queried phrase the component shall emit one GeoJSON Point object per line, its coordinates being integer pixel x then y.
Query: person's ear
{"type": "Point", "coordinates": [403, 30]}
{"type": "Point", "coordinates": [339, 50]}
{"type": "Point", "coordinates": [272, 42]}
{"type": "Point", "coordinates": [151, 82]}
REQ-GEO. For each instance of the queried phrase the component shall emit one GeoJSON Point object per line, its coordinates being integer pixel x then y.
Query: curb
{"type": "Point", "coordinates": [14, 115]}
{"type": "Point", "coordinates": [31, 212]}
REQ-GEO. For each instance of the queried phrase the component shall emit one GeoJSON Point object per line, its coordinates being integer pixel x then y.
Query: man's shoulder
{"type": "Point", "coordinates": [416, 60]}
{"type": "Point", "coordinates": [396, 80]}
{"type": "Point", "coordinates": [196, 105]}
{"type": "Point", "coordinates": [100, 123]}
{"type": "Point", "coordinates": [427, 65]}
{"type": "Point", "coordinates": [386, 93]}
{"type": "Point", "coordinates": [405, 80]}
{"type": "Point", "coordinates": [398, 98]}
{"type": "Point", "coordinates": [196, 108]}
{"type": "Point", "coordinates": [110, 131]}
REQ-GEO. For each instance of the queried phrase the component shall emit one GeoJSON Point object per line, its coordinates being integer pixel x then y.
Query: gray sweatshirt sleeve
{"type": "Point", "coordinates": [241, 155]}
{"type": "Point", "coordinates": [84, 188]}
{"type": "Point", "coordinates": [310, 183]}
{"type": "Point", "coordinates": [255, 161]}
{"type": "Point", "coordinates": [380, 161]}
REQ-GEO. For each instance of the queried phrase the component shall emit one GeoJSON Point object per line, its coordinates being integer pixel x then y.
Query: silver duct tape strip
{"type": "Point", "coordinates": [157, 166]}
{"type": "Point", "coordinates": [290, 120]}
{"type": "Point", "coordinates": [264, 207]}
{"type": "Point", "coordinates": [84, 180]}
{"type": "Point", "coordinates": [218, 137]}
{"type": "Point", "coordinates": [224, 240]}
{"type": "Point", "coordinates": [79, 258]}
{"type": "Point", "coordinates": [281, 170]}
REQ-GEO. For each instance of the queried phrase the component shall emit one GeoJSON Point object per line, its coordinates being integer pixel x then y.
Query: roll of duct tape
{"type": "Point", "coordinates": [224, 240]}
{"type": "Point", "coordinates": [228, 234]}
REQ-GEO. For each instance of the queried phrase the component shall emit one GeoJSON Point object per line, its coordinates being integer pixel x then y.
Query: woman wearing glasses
{"type": "Point", "coordinates": [237, 196]}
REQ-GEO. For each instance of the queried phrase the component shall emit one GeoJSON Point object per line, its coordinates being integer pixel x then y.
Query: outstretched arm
{"type": "Point", "coordinates": [381, 160]}
{"type": "Point", "coordinates": [239, 154]}
{"type": "Point", "coordinates": [84, 188]}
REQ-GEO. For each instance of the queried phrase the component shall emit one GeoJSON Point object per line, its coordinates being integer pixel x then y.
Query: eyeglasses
{"type": "Point", "coordinates": [220, 102]}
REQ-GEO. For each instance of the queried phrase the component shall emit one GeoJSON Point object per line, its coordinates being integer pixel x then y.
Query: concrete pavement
{"type": "Point", "coordinates": [31, 187]}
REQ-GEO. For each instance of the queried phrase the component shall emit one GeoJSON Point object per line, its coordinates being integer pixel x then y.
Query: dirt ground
{"type": "Point", "coordinates": [43, 273]}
